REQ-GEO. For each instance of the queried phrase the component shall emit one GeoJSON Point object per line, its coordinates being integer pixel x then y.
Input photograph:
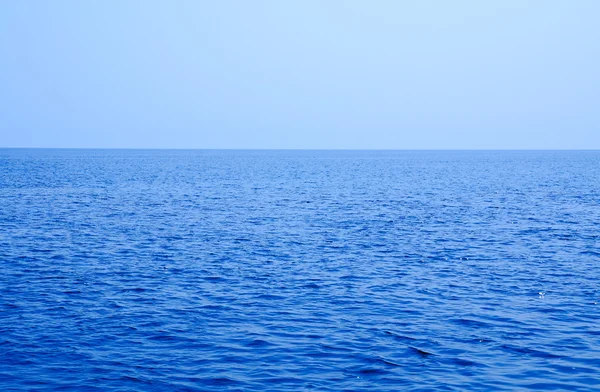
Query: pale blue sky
{"type": "Point", "coordinates": [300, 74]}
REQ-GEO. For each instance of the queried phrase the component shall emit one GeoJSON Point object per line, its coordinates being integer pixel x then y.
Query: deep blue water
{"type": "Point", "coordinates": [299, 270]}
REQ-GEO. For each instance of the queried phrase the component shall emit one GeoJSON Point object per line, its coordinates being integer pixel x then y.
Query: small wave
{"type": "Point", "coordinates": [420, 352]}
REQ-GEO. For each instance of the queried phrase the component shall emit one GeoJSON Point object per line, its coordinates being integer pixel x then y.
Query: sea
{"type": "Point", "coordinates": [298, 270]}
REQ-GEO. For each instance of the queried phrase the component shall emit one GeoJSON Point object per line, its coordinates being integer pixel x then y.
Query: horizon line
{"type": "Point", "coordinates": [296, 149]}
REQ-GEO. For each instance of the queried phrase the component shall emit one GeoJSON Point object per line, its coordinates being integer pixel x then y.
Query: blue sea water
{"type": "Point", "coordinates": [137, 270]}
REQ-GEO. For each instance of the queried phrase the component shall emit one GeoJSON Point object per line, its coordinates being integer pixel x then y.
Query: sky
{"type": "Point", "coordinates": [304, 74]}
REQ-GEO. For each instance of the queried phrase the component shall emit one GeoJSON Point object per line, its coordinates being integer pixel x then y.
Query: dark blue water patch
{"type": "Point", "coordinates": [299, 270]}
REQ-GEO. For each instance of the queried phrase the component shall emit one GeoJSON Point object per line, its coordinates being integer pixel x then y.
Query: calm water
{"type": "Point", "coordinates": [292, 271]}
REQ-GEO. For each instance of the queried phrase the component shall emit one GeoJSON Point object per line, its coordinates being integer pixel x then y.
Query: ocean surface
{"type": "Point", "coordinates": [172, 270]}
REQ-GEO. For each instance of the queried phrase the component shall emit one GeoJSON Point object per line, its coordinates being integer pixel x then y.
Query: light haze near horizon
{"type": "Point", "coordinates": [508, 74]}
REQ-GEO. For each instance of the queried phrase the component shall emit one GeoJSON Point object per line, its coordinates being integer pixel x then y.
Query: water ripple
{"type": "Point", "coordinates": [290, 270]}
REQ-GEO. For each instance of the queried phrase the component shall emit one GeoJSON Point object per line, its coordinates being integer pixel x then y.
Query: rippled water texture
{"type": "Point", "coordinates": [287, 271]}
